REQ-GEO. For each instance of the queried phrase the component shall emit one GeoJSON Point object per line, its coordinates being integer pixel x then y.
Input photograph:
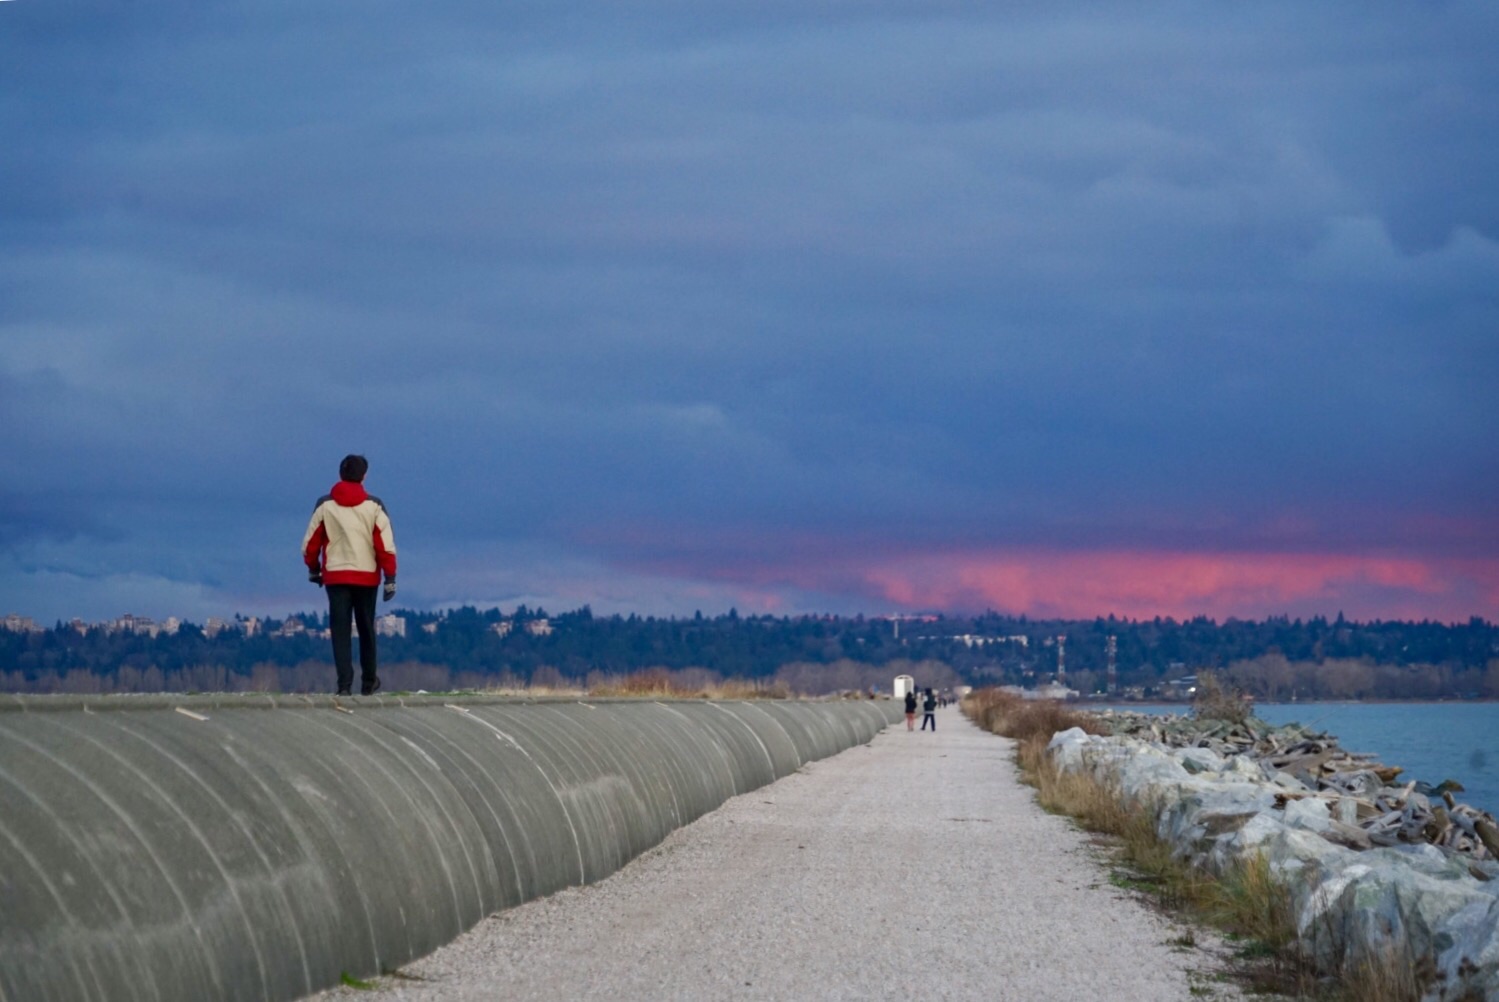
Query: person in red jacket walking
{"type": "Point", "coordinates": [348, 545]}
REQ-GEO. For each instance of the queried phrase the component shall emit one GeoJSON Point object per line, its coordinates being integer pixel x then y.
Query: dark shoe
{"type": "Point", "coordinates": [343, 692]}
{"type": "Point", "coordinates": [370, 690]}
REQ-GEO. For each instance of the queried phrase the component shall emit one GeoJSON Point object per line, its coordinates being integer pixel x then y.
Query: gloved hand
{"type": "Point", "coordinates": [390, 589]}
{"type": "Point", "coordinates": [315, 575]}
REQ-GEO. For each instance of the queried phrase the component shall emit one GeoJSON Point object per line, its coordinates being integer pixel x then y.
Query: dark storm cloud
{"type": "Point", "coordinates": [646, 289]}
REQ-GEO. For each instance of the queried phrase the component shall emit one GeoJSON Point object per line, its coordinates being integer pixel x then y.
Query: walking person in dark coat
{"type": "Point", "coordinates": [911, 710]}
{"type": "Point", "coordinates": [348, 544]}
{"type": "Point", "coordinates": [929, 711]}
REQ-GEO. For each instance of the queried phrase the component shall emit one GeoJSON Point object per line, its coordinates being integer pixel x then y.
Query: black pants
{"type": "Point", "coordinates": [358, 602]}
{"type": "Point", "coordinates": [929, 716]}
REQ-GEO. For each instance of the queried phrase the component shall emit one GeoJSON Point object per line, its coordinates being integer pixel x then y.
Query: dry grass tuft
{"type": "Point", "coordinates": [1217, 700]}
{"type": "Point", "coordinates": [1251, 903]}
{"type": "Point", "coordinates": [659, 683]}
{"type": "Point", "coordinates": [1388, 976]}
{"type": "Point", "coordinates": [652, 683]}
{"type": "Point", "coordinates": [1008, 714]}
{"type": "Point", "coordinates": [738, 688]}
{"type": "Point", "coordinates": [531, 691]}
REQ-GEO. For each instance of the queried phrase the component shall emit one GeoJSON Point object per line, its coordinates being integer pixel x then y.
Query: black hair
{"type": "Point", "coordinates": [353, 468]}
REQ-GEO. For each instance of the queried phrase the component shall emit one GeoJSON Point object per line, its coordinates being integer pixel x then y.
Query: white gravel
{"type": "Point", "coordinates": [915, 866]}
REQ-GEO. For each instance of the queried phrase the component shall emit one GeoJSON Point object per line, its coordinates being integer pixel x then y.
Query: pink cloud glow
{"type": "Point", "coordinates": [824, 573]}
{"type": "Point", "coordinates": [1143, 585]}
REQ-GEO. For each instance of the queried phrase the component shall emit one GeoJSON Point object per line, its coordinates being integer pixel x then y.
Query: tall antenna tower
{"type": "Point", "coordinates": [1062, 660]}
{"type": "Point", "coordinates": [1111, 648]}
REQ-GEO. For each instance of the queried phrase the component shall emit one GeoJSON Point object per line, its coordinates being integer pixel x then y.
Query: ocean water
{"type": "Point", "coordinates": [1430, 741]}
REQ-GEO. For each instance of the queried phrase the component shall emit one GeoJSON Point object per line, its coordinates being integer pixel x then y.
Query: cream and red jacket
{"type": "Point", "coordinates": [349, 538]}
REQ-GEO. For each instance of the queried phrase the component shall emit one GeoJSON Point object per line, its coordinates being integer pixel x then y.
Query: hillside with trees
{"type": "Point", "coordinates": [1276, 658]}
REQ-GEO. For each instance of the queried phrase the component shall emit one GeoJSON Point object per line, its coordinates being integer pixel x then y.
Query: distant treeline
{"type": "Point", "coordinates": [1271, 657]}
{"type": "Point", "coordinates": [799, 677]}
{"type": "Point", "coordinates": [1273, 678]}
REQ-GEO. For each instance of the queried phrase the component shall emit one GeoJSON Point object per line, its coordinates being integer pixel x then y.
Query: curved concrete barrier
{"type": "Point", "coordinates": [258, 847]}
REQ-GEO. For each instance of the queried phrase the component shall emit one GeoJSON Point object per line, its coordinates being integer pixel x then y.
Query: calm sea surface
{"type": "Point", "coordinates": [1431, 741]}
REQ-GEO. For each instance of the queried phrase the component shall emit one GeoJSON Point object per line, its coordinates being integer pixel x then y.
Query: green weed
{"type": "Point", "coordinates": [349, 981]}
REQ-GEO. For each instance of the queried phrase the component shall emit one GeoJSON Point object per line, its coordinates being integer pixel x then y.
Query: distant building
{"type": "Point", "coordinates": [293, 626]}
{"type": "Point", "coordinates": [213, 626]}
{"type": "Point", "coordinates": [143, 626]}
{"type": "Point", "coordinates": [391, 626]}
{"type": "Point", "coordinates": [1055, 690]}
{"type": "Point", "coordinates": [1183, 687]}
{"type": "Point", "coordinates": [16, 623]}
{"type": "Point", "coordinates": [539, 628]}
{"type": "Point", "coordinates": [430, 627]}
{"type": "Point", "coordinates": [503, 627]}
{"type": "Point", "coordinates": [1049, 690]}
{"type": "Point", "coordinates": [975, 639]}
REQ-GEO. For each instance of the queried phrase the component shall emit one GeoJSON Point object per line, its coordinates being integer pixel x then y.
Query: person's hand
{"type": "Point", "coordinates": [315, 575]}
{"type": "Point", "coordinates": [390, 590]}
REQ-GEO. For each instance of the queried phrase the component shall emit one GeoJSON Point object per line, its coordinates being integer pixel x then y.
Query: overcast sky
{"type": "Point", "coordinates": [858, 306]}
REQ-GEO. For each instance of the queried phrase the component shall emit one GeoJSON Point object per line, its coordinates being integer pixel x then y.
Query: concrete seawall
{"type": "Point", "coordinates": [257, 847]}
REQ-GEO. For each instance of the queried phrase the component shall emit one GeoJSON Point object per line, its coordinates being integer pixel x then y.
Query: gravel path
{"type": "Point", "coordinates": [915, 866]}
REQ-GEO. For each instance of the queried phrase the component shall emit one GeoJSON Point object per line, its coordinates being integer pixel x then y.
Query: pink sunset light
{"type": "Point", "coordinates": [771, 573]}
{"type": "Point", "coordinates": [1181, 585]}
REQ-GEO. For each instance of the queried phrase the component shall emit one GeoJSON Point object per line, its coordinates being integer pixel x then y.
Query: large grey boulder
{"type": "Point", "coordinates": [1364, 908]}
{"type": "Point", "coordinates": [1067, 749]}
{"type": "Point", "coordinates": [1312, 813]}
{"type": "Point", "coordinates": [1206, 810]}
{"type": "Point", "coordinates": [1199, 759]}
{"type": "Point", "coordinates": [1298, 856]}
{"type": "Point", "coordinates": [1472, 956]}
{"type": "Point", "coordinates": [1150, 773]}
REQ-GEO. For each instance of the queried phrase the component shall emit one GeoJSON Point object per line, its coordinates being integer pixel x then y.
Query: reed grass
{"type": "Point", "coordinates": [650, 683]}
{"type": "Point", "coordinates": [1389, 974]}
{"type": "Point", "coordinates": [1014, 717]}
{"type": "Point", "coordinates": [658, 683]}
{"type": "Point", "coordinates": [1218, 700]}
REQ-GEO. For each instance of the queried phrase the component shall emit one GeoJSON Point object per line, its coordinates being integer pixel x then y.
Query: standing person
{"type": "Point", "coordinates": [929, 711]}
{"type": "Point", "coordinates": [910, 709]}
{"type": "Point", "coordinates": [348, 545]}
